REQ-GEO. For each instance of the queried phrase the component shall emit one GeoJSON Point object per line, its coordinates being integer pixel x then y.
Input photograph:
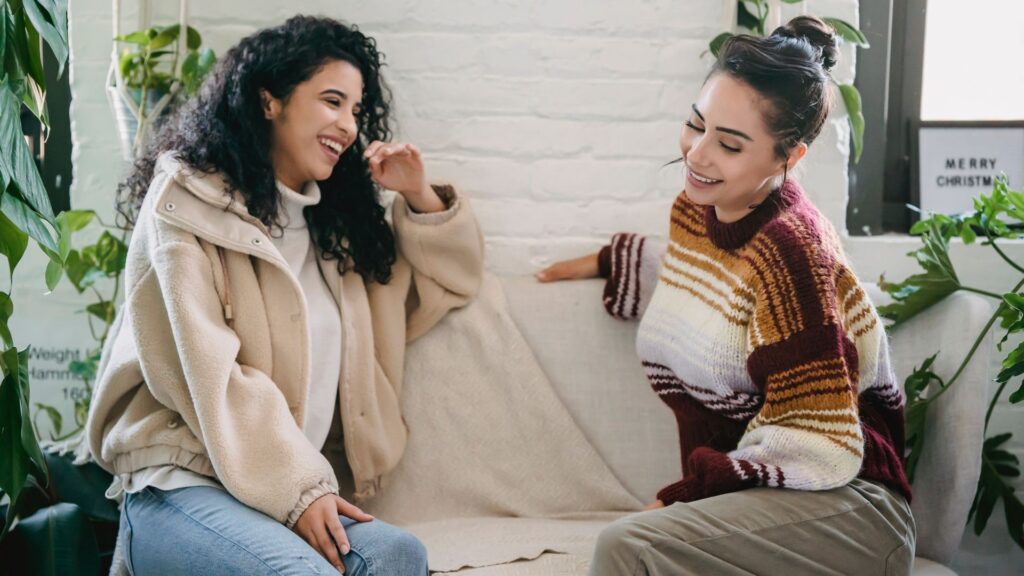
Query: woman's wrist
{"type": "Point", "coordinates": [425, 200]}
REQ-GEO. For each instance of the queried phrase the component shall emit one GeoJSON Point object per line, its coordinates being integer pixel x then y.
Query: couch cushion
{"type": "Point", "coordinates": [591, 361]}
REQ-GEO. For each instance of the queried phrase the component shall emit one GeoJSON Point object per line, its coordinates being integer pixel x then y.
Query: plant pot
{"type": "Point", "coordinates": [128, 124]}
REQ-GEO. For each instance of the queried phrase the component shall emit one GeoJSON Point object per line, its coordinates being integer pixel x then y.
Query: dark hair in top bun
{"type": "Point", "coordinates": [789, 69]}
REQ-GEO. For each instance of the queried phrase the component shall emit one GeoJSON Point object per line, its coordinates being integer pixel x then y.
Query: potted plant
{"type": "Point", "coordinates": [996, 218]}
{"type": "Point", "coordinates": [153, 73]}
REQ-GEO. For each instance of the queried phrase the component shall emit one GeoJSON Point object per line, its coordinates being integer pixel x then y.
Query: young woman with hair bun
{"type": "Point", "coordinates": [756, 333]}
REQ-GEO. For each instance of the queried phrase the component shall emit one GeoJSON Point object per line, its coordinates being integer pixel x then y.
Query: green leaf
{"type": "Point", "coordinates": [851, 99]}
{"type": "Point", "coordinates": [997, 466]}
{"type": "Point", "coordinates": [1018, 395]}
{"type": "Point", "coordinates": [13, 242]}
{"type": "Point", "coordinates": [54, 33]}
{"type": "Point", "coordinates": [102, 310]}
{"type": "Point", "coordinates": [16, 53]}
{"type": "Point", "coordinates": [745, 18]}
{"type": "Point", "coordinates": [6, 311]}
{"type": "Point", "coordinates": [1016, 301]}
{"type": "Point", "coordinates": [69, 222]}
{"type": "Point", "coordinates": [922, 290]}
{"type": "Point", "coordinates": [16, 161]}
{"type": "Point", "coordinates": [141, 38]}
{"type": "Point", "coordinates": [32, 49]}
{"type": "Point", "coordinates": [85, 370]}
{"type": "Point", "coordinates": [716, 45]}
{"type": "Point", "coordinates": [1013, 364]}
{"type": "Point", "coordinates": [916, 412]}
{"type": "Point", "coordinates": [76, 269]}
{"type": "Point", "coordinates": [19, 448]}
{"type": "Point", "coordinates": [968, 235]}
{"type": "Point", "coordinates": [81, 412]}
{"type": "Point", "coordinates": [3, 33]}
{"type": "Point", "coordinates": [848, 32]}
{"type": "Point", "coordinates": [55, 418]}
{"type": "Point", "coordinates": [166, 37]}
{"type": "Point", "coordinates": [192, 39]}
{"type": "Point", "coordinates": [54, 268]}
{"type": "Point", "coordinates": [75, 220]}
{"type": "Point", "coordinates": [28, 220]}
{"type": "Point", "coordinates": [195, 68]}
{"type": "Point", "coordinates": [111, 254]}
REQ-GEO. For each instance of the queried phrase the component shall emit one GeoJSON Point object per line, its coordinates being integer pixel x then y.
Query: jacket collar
{"type": "Point", "coordinates": [199, 203]}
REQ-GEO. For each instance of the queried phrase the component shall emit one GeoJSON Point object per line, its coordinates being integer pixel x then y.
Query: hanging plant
{"type": "Point", "coordinates": [151, 75]}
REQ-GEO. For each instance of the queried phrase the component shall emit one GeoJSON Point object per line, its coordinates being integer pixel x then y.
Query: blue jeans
{"type": "Point", "coordinates": [205, 530]}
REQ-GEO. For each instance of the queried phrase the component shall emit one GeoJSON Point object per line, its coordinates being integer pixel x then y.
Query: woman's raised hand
{"type": "Point", "coordinates": [399, 167]}
{"type": "Point", "coordinates": [575, 269]}
{"type": "Point", "coordinates": [320, 527]}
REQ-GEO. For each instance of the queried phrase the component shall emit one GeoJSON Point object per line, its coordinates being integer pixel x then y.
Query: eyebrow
{"type": "Point", "coordinates": [339, 93]}
{"type": "Point", "coordinates": [720, 129]}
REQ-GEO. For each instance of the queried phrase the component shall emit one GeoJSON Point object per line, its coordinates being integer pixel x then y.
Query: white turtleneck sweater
{"type": "Point", "coordinates": [324, 324]}
{"type": "Point", "coordinates": [325, 337]}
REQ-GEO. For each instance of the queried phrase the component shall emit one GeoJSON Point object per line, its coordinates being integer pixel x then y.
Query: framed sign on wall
{"type": "Point", "coordinates": [956, 161]}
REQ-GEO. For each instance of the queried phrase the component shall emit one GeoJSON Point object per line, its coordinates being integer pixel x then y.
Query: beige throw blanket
{"type": "Point", "coordinates": [496, 471]}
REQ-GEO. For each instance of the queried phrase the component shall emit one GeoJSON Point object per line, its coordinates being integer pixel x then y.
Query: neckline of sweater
{"type": "Point", "coordinates": [733, 235]}
{"type": "Point", "coordinates": [292, 203]}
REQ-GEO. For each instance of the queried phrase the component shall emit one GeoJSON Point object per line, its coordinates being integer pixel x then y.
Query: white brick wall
{"type": "Point", "coordinates": [554, 116]}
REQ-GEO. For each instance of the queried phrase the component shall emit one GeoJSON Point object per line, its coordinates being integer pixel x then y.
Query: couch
{"type": "Point", "coordinates": [590, 360]}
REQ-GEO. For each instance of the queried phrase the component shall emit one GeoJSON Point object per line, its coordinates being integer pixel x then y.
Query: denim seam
{"type": "Point", "coordinates": [126, 551]}
{"type": "Point", "coordinates": [367, 561]}
{"type": "Point", "coordinates": [208, 529]}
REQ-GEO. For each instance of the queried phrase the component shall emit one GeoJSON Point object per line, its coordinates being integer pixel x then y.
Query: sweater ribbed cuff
{"type": "Point", "coordinates": [681, 491]}
{"type": "Point", "coordinates": [604, 262]}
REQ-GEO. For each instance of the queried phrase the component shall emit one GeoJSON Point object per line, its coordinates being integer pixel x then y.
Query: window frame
{"type": "Point", "coordinates": [881, 184]}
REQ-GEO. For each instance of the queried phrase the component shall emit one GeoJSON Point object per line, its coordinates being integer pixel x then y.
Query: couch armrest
{"type": "Point", "coordinates": [947, 474]}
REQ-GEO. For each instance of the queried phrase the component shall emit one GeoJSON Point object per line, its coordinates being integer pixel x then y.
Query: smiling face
{"type": "Point", "coordinates": [729, 152]}
{"type": "Point", "coordinates": [315, 124]}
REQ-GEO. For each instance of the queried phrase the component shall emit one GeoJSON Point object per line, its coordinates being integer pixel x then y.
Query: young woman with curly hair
{"type": "Point", "coordinates": [258, 358]}
{"type": "Point", "coordinates": [756, 333]}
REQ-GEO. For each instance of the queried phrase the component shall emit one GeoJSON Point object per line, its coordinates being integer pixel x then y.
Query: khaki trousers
{"type": "Point", "coordinates": [860, 529]}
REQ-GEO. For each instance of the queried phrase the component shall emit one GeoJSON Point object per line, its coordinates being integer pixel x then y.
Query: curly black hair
{"type": "Point", "coordinates": [223, 129]}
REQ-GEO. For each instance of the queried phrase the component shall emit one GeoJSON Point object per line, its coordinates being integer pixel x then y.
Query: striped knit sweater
{"type": "Point", "coordinates": [760, 339]}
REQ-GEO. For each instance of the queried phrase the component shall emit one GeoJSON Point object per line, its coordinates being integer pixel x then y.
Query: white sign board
{"type": "Point", "coordinates": [960, 162]}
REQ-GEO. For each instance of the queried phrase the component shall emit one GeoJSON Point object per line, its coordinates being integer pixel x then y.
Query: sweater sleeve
{"type": "Point", "coordinates": [237, 412]}
{"type": "Point", "coordinates": [631, 264]}
{"type": "Point", "coordinates": [807, 434]}
{"type": "Point", "coordinates": [445, 252]}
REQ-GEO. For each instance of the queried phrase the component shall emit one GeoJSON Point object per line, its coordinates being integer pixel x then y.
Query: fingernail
{"type": "Point", "coordinates": [344, 548]}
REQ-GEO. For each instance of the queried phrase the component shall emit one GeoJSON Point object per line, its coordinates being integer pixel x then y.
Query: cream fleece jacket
{"type": "Point", "coordinates": [207, 365]}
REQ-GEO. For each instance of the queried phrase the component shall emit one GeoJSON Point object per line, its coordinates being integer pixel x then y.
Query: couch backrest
{"type": "Point", "coordinates": [592, 363]}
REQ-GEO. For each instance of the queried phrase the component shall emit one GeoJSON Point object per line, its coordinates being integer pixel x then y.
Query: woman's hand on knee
{"type": "Point", "coordinates": [320, 527]}
{"type": "Point", "coordinates": [575, 269]}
